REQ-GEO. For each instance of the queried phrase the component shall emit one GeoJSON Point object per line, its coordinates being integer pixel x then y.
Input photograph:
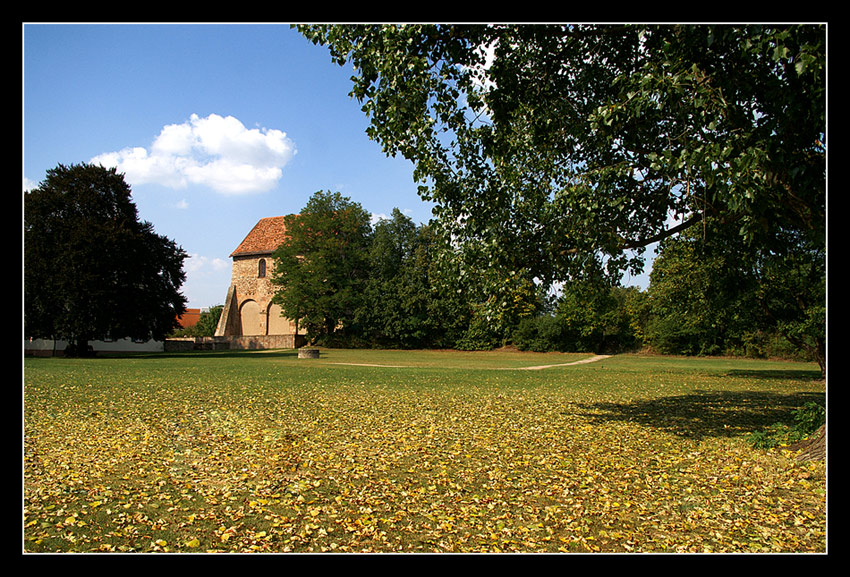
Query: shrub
{"type": "Point", "coordinates": [807, 420]}
{"type": "Point", "coordinates": [539, 334]}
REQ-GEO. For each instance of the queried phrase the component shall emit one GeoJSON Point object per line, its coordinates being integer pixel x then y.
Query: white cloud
{"type": "Point", "coordinates": [378, 217]}
{"type": "Point", "coordinates": [216, 151]}
{"type": "Point", "coordinates": [207, 280]}
{"type": "Point", "coordinates": [196, 263]}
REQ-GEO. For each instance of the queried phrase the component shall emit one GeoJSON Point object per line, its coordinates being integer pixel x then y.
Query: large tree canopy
{"type": "Point", "coordinates": [551, 145]}
{"type": "Point", "coordinates": [91, 268]}
{"type": "Point", "coordinates": [322, 265]}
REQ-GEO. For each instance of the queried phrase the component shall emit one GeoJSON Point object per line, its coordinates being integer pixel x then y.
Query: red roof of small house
{"type": "Point", "coordinates": [264, 238]}
{"type": "Point", "coordinates": [189, 318]}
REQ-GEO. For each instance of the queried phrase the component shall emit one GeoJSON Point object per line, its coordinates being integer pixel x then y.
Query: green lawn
{"type": "Point", "coordinates": [429, 452]}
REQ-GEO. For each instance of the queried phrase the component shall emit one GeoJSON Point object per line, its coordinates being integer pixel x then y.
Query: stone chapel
{"type": "Point", "coordinates": [249, 317]}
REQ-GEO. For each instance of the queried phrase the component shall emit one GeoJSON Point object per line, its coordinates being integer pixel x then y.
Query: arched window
{"type": "Point", "coordinates": [261, 269]}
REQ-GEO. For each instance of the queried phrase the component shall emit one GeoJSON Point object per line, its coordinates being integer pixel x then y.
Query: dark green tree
{"type": "Point", "coordinates": [791, 294]}
{"type": "Point", "coordinates": [322, 266]}
{"type": "Point", "coordinates": [711, 293]}
{"type": "Point", "coordinates": [702, 294]}
{"type": "Point", "coordinates": [587, 316]}
{"type": "Point", "coordinates": [394, 311]}
{"type": "Point", "coordinates": [448, 287]}
{"type": "Point", "coordinates": [91, 268]}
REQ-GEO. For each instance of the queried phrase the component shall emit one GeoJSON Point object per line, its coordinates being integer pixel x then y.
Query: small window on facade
{"type": "Point", "coordinates": [262, 268]}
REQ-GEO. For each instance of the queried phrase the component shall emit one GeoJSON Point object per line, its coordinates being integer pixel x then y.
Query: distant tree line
{"type": "Point", "coordinates": [709, 294]}
{"type": "Point", "coordinates": [92, 269]}
{"type": "Point", "coordinates": [401, 285]}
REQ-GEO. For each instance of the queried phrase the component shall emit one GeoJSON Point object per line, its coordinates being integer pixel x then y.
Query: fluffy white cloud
{"type": "Point", "coordinates": [378, 217]}
{"type": "Point", "coordinates": [207, 280]}
{"type": "Point", "coordinates": [217, 152]}
{"type": "Point", "coordinates": [203, 265]}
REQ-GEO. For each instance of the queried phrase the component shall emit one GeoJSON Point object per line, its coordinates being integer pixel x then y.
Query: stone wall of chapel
{"type": "Point", "coordinates": [258, 315]}
{"type": "Point", "coordinates": [245, 277]}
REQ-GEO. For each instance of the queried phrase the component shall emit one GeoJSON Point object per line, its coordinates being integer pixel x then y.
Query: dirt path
{"type": "Point", "coordinates": [581, 362]}
{"type": "Point", "coordinates": [535, 368]}
{"type": "Point", "coordinates": [372, 365]}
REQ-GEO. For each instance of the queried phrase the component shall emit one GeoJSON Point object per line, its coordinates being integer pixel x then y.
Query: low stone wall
{"type": "Point", "coordinates": [197, 344]}
{"type": "Point", "coordinates": [257, 342]}
{"type": "Point", "coordinates": [265, 342]}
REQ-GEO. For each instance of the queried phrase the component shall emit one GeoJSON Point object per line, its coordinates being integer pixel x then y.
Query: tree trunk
{"type": "Point", "coordinates": [79, 348]}
{"type": "Point", "coordinates": [814, 448]}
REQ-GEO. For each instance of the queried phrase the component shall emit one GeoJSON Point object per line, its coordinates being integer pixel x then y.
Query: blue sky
{"type": "Point", "coordinates": [214, 127]}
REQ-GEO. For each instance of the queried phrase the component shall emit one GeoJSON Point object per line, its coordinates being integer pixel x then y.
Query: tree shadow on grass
{"type": "Point", "coordinates": [223, 354]}
{"type": "Point", "coordinates": [706, 414]}
{"type": "Point", "coordinates": [777, 374]}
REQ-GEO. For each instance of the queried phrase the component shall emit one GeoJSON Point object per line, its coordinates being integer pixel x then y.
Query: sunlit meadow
{"type": "Point", "coordinates": [426, 451]}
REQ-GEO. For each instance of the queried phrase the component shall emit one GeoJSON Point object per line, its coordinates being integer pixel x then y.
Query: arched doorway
{"type": "Point", "coordinates": [249, 313]}
{"type": "Point", "coordinates": [276, 323]}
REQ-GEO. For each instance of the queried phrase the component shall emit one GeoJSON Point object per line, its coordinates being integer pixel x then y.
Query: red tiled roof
{"type": "Point", "coordinates": [264, 238]}
{"type": "Point", "coordinates": [189, 318]}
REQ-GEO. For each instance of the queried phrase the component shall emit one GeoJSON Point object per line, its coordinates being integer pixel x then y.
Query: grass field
{"type": "Point", "coordinates": [427, 452]}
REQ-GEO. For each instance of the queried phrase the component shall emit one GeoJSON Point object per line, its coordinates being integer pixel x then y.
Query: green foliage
{"type": "Point", "coordinates": [587, 318]}
{"type": "Point", "coordinates": [580, 140]}
{"type": "Point", "coordinates": [771, 437]}
{"type": "Point", "coordinates": [322, 266]}
{"type": "Point", "coordinates": [577, 144]}
{"type": "Point", "coordinates": [543, 333]}
{"type": "Point", "coordinates": [711, 293]}
{"type": "Point", "coordinates": [92, 269]}
{"type": "Point", "coordinates": [499, 300]}
{"type": "Point", "coordinates": [792, 293]}
{"type": "Point", "coordinates": [404, 287]}
{"type": "Point", "coordinates": [807, 419]}
{"type": "Point", "coordinates": [583, 310]}
{"type": "Point", "coordinates": [396, 300]}
{"type": "Point", "coordinates": [701, 292]}
{"type": "Point", "coordinates": [480, 334]}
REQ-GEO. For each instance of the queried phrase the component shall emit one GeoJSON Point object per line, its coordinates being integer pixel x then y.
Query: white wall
{"type": "Point", "coordinates": [119, 346]}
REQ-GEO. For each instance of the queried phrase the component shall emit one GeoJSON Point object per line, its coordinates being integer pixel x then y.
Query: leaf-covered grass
{"type": "Point", "coordinates": [431, 452]}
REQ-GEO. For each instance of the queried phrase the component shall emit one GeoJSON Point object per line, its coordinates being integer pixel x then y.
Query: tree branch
{"type": "Point", "coordinates": [664, 234]}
